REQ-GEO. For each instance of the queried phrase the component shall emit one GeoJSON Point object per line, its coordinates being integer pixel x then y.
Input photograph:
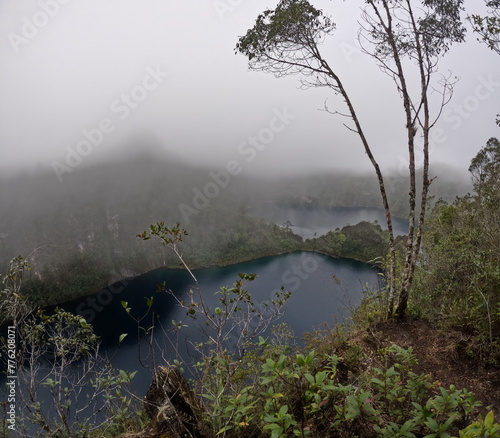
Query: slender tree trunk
{"type": "Point", "coordinates": [381, 183]}
{"type": "Point", "coordinates": [424, 70]}
{"type": "Point", "coordinates": [400, 78]}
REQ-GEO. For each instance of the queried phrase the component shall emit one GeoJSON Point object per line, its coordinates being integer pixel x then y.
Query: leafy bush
{"type": "Point", "coordinates": [63, 386]}
{"type": "Point", "coordinates": [307, 395]}
{"type": "Point", "coordinates": [458, 277]}
{"type": "Point", "coordinates": [486, 428]}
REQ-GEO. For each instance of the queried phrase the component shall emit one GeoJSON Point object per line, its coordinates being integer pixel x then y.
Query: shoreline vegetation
{"type": "Point", "coordinates": [363, 242]}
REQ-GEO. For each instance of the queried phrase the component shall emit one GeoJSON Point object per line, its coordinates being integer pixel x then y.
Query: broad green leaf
{"type": "Point", "coordinates": [320, 377]}
{"type": "Point", "coordinates": [489, 419]}
{"type": "Point", "coordinates": [310, 378]}
{"type": "Point", "coordinates": [283, 410]}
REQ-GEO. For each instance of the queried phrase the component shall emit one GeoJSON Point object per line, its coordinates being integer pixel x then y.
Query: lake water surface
{"type": "Point", "coordinates": [311, 221]}
{"type": "Point", "coordinates": [324, 290]}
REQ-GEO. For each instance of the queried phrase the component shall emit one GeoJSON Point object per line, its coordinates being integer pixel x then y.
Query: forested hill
{"type": "Point", "coordinates": [86, 225]}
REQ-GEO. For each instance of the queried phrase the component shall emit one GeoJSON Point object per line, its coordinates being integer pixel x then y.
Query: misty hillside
{"type": "Point", "coordinates": [87, 224]}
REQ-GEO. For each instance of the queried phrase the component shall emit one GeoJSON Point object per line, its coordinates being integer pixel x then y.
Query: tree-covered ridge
{"type": "Point", "coordinates": [365, 242]}
{"type": "Point", "coordinates": [261, 387]}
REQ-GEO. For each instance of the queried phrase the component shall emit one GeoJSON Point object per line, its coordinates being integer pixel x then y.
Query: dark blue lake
{"type": "Point", "coordinates": [324, 290]}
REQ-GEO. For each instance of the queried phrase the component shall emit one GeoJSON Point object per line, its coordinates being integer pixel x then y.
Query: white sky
{"type": "Point", "coordinates": [70, 72]}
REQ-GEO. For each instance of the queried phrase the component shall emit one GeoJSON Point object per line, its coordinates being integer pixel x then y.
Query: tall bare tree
{"type": "Point", "coordinates": [406, 38]}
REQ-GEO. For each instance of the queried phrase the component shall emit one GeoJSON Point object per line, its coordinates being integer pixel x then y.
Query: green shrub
{"type": "Point", "coordinates": [309, 395]}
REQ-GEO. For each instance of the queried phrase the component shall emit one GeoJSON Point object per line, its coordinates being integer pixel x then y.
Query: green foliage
{"type": "Point", "coordinates": [457, 283]}
{"type": "Point", "coordinates": [375, 302]}
{"type": "Point", "coordinates": [14, 307]}
{"type": "Point", "coordinates": [168, 236]}
{"type": "Point", "coordinates": [68, 279]}
{"type": "Point", "coordinates": [58, 361]}
{"type": "Point", "coordinates": [485, 169]}
{"type": "Point", "coordinates": [279, 34]}
{"type": "Point", "coordinates": [285, 395]}
{"type": "Point", "coordinates": [488, 27]}
{"type": "Point", "coordinates": [483, 428]}
{"type": "Point", "coordinates": [373, 307]}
